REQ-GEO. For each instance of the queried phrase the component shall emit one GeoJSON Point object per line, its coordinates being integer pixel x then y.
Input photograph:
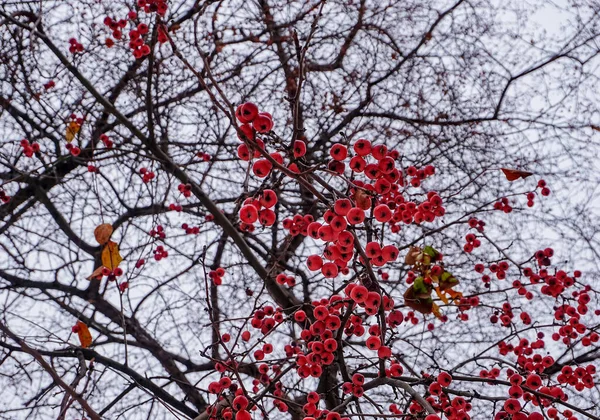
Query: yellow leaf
{"type": "Point", "coordinates": [436, 311]}
{"type": "Point", "coordinates": [110, 255]}
{"type": "Point", "coordinates": [72, 130]}
{"type": "Point", "coordinates": [103, 232]}
{"type": "Point", "coordinates": [85, 337]}
{"type": "Point", "coordinates": [441, 295]}
{"type": "Point", "coordinates": [97, 274]}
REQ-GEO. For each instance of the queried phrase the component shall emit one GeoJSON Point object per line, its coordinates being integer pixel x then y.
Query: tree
{"type": "Point", "coordinates": [285, 209]}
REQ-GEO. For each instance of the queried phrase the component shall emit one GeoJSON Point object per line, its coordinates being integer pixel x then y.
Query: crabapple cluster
{"type": "Point", "coordinates": [258, 210]}
{"type": "Point", "coordinates": [204, 156]}
{"type": "Point", "coordinates": [545, 191]}
{"type": "Point", "coordinates": [312, 411]}
{"type": "Point", "coordinates": [185, 189]}
{"type": "Point", "coordinates": [160, 253]}
{"type": "Point", "coordinates": [175, 207]}
{"type": "Point", "coordinates": [153, 6]}
{"type": "Point", "coordinates": [356, 386]}
{"type": "Point", "coordinates": [190, 230]}
{"type": "Point", "coordinates": [29, 149]}
{"type": "Point", "coordinates": [523, 388]}
{"type": "Point", "coordinates": [282, 279]}
{"type": "Point", "coordinates": [579, 377]}
{"type": "Point", "coordinates": [137, 35]}
{"type": "Point", "coordinates": [475, 223]}
{"type": "Point", "coordinates": [530, 197]}
{"type": "Point", "coordinates": [74, 150]}
{"type": "Point", "coordinates": [112, 275]}
{"type": "Point", "coordinates": [217, 276]}
{"type": "Point", "coordinates": [472, 243]}
{"type": "Point", "coordinates": [158, 232]}
{"type": "Point", "coordinates": [74, 46]}
{"type": "Point", "coordinates": [147, 175]}
{"type": "Point", "coordinates": [265, 319]}
{"type": "Point", "coordinates": [503, 205]}
{"type": "Point", "coordinates": [108, 143]}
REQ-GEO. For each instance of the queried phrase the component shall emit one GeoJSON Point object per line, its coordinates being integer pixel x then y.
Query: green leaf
{"type": "Point", "coordinates": [419, 286]}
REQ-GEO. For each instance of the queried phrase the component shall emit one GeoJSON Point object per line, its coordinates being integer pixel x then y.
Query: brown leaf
{"type": "Point", "coordinates": [514, 174]}
{"type": "Point", "coordinates": [85, 337]}
{"type": "Point", "coordinates": [411, 257]}
{"type": "Point", "coordinates": [110, 255]}
{"type": "Point", "coordinates": [97, 274]}
{"type": "Point", "coordinates": [362, 199]}
{"type": "Point", "coordinates": [103, 232]}
{"type": "Point", "coordinates": [420, 302]}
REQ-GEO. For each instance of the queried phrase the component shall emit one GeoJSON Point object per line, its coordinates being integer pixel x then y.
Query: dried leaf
{"type": "Point", "coordinates": [97, 274]}
{"type": "Point", "coordinates": [514, 174]}
{"type": "Point", "coordinates": [362, 199]}
{"type": "Point", "coordinates": [103, 232]}
{"type": "Point", "coordinates": [72, 130]}
{"type": "Point", "coordinates": [85, 337]}
{"type": "Point", "coordinates": [411, 257]}
{"type": "Point", "coordinates": [110, 255]}
{"type": "Point", "coordinates": [419, 302]}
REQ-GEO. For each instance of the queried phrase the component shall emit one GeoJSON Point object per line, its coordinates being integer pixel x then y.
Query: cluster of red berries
{"type": "Point", "coordinates": [545, 190]}
{"type": "Point", "coordinates": [530, 361]}
{"type": "Point", "coordinates": [5, 198]}
{"type": "Point", "coordinates": [355, 387]}
{"type": "Point", "coordinates": [530, 197]}
{"type": "Point", "coordinates": [136, 36]}
{"type": "Point", "coordinates": [175, 207]}
{"type": "Point", "coordinates": [108, 143]}
{"type": "Point", "coordinates": [475, 223]}
{"type": "Point", "coordinates": [123, 286]}
{"type": "Point", "coordinates": [75, 46]}
{"type": "Point", "coordinates": [190, 230]}
{"type": "Point", "coordinates": [116, 26]}
{"type": "Point", "coordinates": [472, 243]}
{"type": "Point", "coordinates": [137, 44]}
{"type": "Point", "coordinates": [158, 232]}
{"type": "Point", "coordinates": [112, 274]}
{"type": "Point", "coordinates": [74, 150]}
{"type": "Point", "coordinates": [29, 149]}
{"type": "Point", "coordinates": [282, 279]}
{"type": "Point", "coordinates": [506, 316]}
{"type": "Point", "coordinates": [503, 205]}
{"type": "Point", "coordinates": [147, 175]}
{"type": "Point", "coordinates": [204, 156]}
{"type": "Point", "coordinates": [217, 276]}
{"type": "Point", "coordinates": [456, 408]}
{"type": "Point", "coordinates": [160, 253]}
{"type": "Point", "coordinates": [258, 209]}
{"type": "Point", "coordinates": [265, 319]}
{"type": "Point", "coordinates": [542, 257]}
{"type": "Point", "coordinates": [579, 378]}
{"type": "Point", "coordinates": [311, 409]}
{"type": "Point", "coordinates": [252, 120]}
{"type": "Point", "coordinates": [153, 6]}
{"type": "Point", "coordinates": [185, 189]}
